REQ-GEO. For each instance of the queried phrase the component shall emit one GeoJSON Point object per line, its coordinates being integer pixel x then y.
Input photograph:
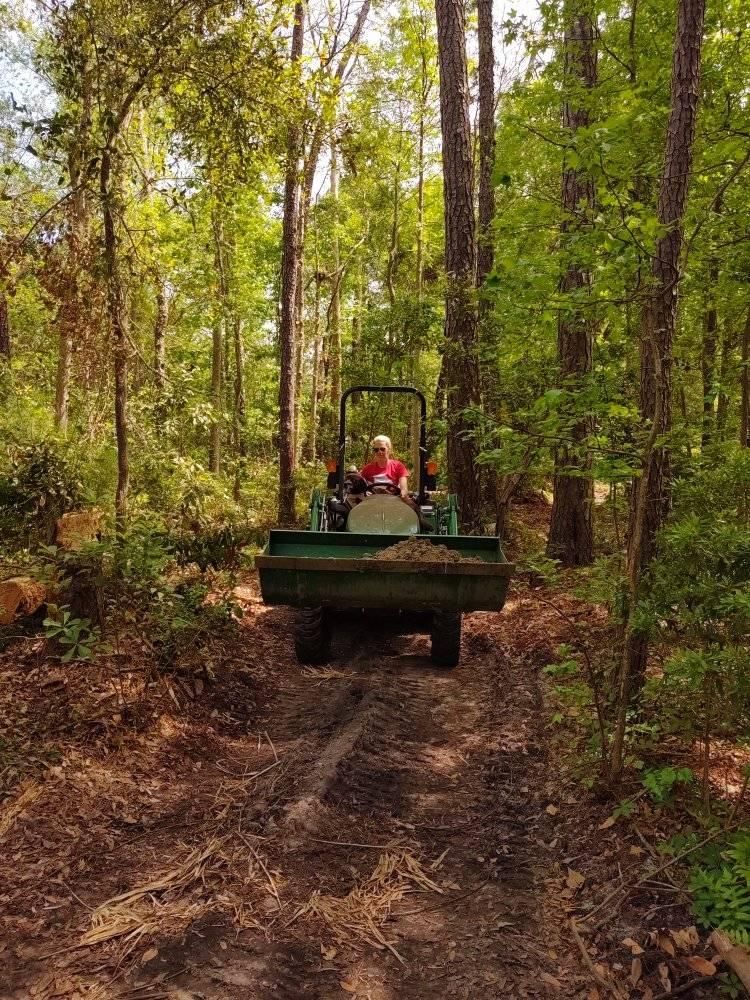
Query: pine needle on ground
{"type": "Point", "coordinates": [361, 914]}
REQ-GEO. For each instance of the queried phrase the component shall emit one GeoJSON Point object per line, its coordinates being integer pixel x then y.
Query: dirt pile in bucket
{"type": "Point", "coordinates": [421, 550]}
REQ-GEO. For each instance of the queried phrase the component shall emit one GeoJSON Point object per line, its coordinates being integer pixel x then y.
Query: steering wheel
{"type": "Point", "coordinates": [384, 489]}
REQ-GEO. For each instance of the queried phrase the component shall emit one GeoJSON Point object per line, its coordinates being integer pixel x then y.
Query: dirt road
{"type": "Point", "coordinates": [403, 765]}
{"type": "Point", "coordinates": [378, 828]}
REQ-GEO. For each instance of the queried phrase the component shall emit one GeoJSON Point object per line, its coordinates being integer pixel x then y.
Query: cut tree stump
{"type": "Point", "coordinates": [78, 527]}
{"type": "Point", "coordinates": [19, 597]}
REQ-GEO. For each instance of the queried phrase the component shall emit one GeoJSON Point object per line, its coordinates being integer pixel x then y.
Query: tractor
{"type": "Point", "coordinates": [330, 566]}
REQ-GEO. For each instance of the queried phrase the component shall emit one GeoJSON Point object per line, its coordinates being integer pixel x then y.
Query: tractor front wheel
{"type": "Point", "coordinates": [312, 635]}
{"type": "Point", "coordinates": [446, 639]}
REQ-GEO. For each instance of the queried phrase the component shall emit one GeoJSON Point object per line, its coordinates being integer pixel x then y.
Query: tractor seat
{"type": "Point", "coordinates": [383, 515]}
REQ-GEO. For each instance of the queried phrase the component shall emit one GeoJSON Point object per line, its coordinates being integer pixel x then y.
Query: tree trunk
{"type": "Point", "coordinates": [4, 327]}
{"type": "Point", "coordinates": [118, 321]}
{"type": "Point", "coordinates": [240, 445]}
{"type": "Point", "coordinates": [460, 342]}
{"type": "Point", "coordinates": [312, 445]}
{"type": "Point", "coordinates": [359, 309]}
{"type": "Point", "coordinates": [72, 313]}
{"type": "Point", "coordinates": [485, 245]}
{"type": "Point", "coordinates": [217, 346]}
{"type": "Point", "coordinates": [424, 93]}
{"type": "Point", "coordinates": [571, 537]}
{"type": "Point", "coordinates": [334, 326]}
{"type": "Point", "coordinates": [728, 346]}
{"type": "Point", "coordinates": [708, 359]}
{"type": "Point", "coordinates": [650, 497]}
{"type": "Point", "coordinates": [299, 309]}
{"type": "Point", "coordinates": [160, 335]}
{"type": "Point", "coordinates": [710, 340]}
{"type": "Point", "coordinates": [62, 381]}
{"type": "Point", "coordinates": [420, 207]}
{"type": "Point", "coordinates": [745, 385]}
{"type": "Point", "coordinates": [290, 263]}
{"type": "Point", "coordinates": [390, 274]}
{"type": "Point", "coordinates": [485, 250]}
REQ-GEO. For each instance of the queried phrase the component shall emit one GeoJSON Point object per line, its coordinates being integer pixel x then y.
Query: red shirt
{"type": "Point", "coordinates": [389, 475]}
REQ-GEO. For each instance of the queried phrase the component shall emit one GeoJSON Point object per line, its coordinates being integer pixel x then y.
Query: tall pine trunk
{"type": "Point", "coordinates": [110, 195]}
{"type": "Point", "coordinates": [334, 314]}
{"type": "Point", "coordinates": [486, 214]}
{"type": "Point", "coordinates": [299, 320]}
{"type": "Point", "coordinates": [460, 366]}
{"type": "Point", "coordinates": [651, 495]}
{"type": "Point", "coordinates": [290, 264]}
{"type": "Point", "coordinates": [571, 537]}
{"type": "Point", "coordinates": [485, 249]}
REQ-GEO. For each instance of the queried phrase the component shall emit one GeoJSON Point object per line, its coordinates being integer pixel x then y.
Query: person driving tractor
{"type": "Point", "coordinates": [385, 471]}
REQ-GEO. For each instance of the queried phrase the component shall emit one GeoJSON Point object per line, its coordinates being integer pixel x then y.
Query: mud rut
{"type": "Point", "coordinates": [382, 748]}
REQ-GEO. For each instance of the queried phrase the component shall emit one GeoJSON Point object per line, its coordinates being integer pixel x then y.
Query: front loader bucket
{"type": "Point", "coordinates": [326, 569]}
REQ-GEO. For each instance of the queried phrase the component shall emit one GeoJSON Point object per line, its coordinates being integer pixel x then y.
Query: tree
{"type": "Point", "coordinates": [75, 312]}
{"type": "Point", "coordinates": [160, 334]}
{"type": "Point", "coordinates": [4, 328]}
{"type": "Point", "coordinates": [571, 533]}
{"type": "Point", "coordinates": [290, 265]}
{"type": "Point", "coordinates": [460, 344]}
{"type": "Point", "coordinates": [745, 385]}
{"type": "Point", "coordinates": [652, 491]}
{"type": "Point", "coordinates": [486, 74]}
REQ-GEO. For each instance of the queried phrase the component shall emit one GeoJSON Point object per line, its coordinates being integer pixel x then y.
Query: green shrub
{"type": "Point", "coordinates": [40, 485]}
{"type": "Point", "coordinates": [721, 893]}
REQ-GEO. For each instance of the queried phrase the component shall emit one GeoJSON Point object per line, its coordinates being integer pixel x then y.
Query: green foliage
{"type": "Point", "coordinates": [661, 782]}
{"type": "Point", "coordinates": [40, 484]}
{"type": "Point", "coordinates": [76, 634]}
{"type": "Point", "coordinates": [698, 601]}
{"type": "Point", "coordinates": [721, 893]}
{"type": "Point", "coordinates": [539, 568]}
{"type": "Point", "coordinates": [180, 617]}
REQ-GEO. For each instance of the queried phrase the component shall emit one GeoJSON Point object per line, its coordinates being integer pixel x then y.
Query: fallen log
{"type": "Point", "coordinates": [20, 596]}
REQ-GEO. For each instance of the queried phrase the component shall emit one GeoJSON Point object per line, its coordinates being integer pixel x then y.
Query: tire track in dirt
{"type": "Point", "coordinates": [385, 749]}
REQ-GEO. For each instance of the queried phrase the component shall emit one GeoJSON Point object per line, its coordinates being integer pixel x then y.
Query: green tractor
{"type": "Point", "coordinates": [330, 565]}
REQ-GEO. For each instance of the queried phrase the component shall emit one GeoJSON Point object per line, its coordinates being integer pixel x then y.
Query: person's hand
{"type": "Point", "coordinates": [404, 495]}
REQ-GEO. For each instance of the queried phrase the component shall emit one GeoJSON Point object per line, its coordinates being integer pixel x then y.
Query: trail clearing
{"type": "Point", "coordinates": [375, 828]}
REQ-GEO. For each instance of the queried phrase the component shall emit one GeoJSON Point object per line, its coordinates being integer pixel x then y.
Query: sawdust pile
{"type": "Point", "coordinates": [421, 550]}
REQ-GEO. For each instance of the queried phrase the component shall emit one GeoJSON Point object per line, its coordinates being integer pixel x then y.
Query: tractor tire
{"type": "Point", "coordinates": [446, 639]}
{"type": "Point", "coordinates": [312, 636]}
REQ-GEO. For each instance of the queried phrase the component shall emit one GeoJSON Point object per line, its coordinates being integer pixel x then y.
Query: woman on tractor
{"type": "Point", "coordinates": [385, 471]}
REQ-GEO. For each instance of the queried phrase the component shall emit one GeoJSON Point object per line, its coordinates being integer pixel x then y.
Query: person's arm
{"type": "Point", "coordinates": [403, 487]}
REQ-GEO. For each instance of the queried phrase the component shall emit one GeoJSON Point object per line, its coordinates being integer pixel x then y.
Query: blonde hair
{"type": "Point", "coordinates": [382, 439]}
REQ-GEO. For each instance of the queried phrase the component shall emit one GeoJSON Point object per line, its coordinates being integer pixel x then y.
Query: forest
{"type": "Point", "coordinates": [216, 216]}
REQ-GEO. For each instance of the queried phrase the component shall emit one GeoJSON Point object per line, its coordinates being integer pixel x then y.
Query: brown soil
{"type": "Point", "coordinates": [421, 550]}
{"type": "Point", "coordinates": [376, 828]}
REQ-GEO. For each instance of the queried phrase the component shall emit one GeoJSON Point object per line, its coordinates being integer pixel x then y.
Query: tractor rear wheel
{"type": "Point", "coordinates": [446, 639]}
{"type": "Point", "coordinates": [312, 635]}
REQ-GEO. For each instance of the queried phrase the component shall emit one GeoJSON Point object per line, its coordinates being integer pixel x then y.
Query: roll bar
{"type": "Point", "coordinates": [422, 432]}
